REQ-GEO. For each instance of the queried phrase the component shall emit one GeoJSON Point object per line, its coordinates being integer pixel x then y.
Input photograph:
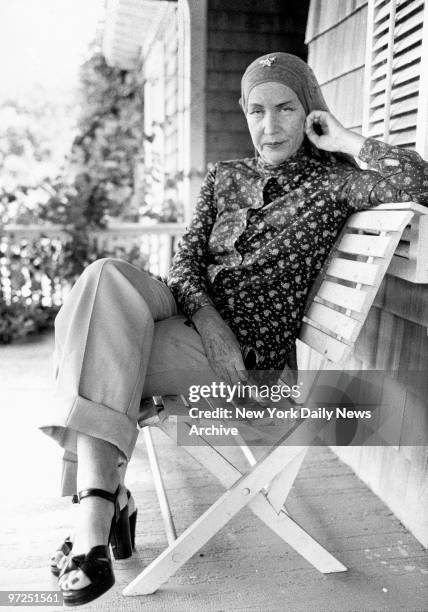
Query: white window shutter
{"type": "Point", "coordinates": [422, 126]}
{"type": "Point", "coordinates": [396, 72]}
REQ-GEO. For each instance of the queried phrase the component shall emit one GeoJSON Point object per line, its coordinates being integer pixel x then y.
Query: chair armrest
{"type": "Point", "coordinates": [413, 206]}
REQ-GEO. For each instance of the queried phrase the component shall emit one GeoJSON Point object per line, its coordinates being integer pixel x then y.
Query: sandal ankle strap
{"type": "Point", "coordinates": [99, 493]}
{"type": "Point", "coordinates": [77, 496]}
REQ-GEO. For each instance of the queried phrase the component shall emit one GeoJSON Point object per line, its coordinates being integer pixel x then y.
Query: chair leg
{"type": "Point", "coordinates": [276, 519]}
{"type": "Point", "coordinates": [209, 523]}
{"type": "Point", "coordinates": [280, 486]}
{"type": "Point", "coordinates": [165, 509]}
{"type": "Point", "coordinates": [243, 491]}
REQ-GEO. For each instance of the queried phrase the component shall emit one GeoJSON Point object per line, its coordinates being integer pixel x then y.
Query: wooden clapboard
{"type": "Point", "coordinates": [345, 289]}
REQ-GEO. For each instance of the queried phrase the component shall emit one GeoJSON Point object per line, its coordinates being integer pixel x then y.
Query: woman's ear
{"type": "Point", "coordinates": [241, 104]}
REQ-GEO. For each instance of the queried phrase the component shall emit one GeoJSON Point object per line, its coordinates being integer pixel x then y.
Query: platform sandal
{"type": "Point", "coordinates": [96, 565]}
{"type": "Point", "coordinates": [59, 557]}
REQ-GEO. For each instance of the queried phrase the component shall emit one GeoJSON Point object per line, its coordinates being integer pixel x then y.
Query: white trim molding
{"type": "Point", "coordinates": [129, 25]}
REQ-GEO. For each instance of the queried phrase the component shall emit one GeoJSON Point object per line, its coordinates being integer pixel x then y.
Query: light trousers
{"type": "Point", "coordinates": [119, 337]}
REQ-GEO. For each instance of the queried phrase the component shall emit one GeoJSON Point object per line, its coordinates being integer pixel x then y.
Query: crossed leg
{"type": "Point", "coordinates": [118, 336]}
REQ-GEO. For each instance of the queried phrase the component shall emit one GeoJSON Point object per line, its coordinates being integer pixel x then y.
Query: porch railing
{"type": "Point", "coordinates": [30, 255]}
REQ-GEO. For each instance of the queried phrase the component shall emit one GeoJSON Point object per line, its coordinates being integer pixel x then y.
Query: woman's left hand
{"type": "Point", "coordinates": [327, 133]}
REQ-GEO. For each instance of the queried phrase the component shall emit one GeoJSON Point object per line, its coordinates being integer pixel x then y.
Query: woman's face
{"type": "Point", "coordinates": [276, 121]}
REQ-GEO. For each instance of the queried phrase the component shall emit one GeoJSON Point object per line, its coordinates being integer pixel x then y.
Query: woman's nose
{"type": "Point", "coordinates": [270, 123]}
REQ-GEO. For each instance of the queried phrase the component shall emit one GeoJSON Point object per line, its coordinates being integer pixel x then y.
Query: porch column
{"type": "Point", "coordinates": [192, 21]}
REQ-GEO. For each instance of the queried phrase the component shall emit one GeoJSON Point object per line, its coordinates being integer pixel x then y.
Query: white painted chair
{"type": "Point", "coordinates": [337, 308]}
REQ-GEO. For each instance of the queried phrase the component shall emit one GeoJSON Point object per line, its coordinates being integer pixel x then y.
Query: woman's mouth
{"type": "Point", "coordinates": [273, 145]}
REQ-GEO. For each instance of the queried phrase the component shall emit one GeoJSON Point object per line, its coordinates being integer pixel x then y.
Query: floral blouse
{"type": "Point", "coordinates": [260, 234]}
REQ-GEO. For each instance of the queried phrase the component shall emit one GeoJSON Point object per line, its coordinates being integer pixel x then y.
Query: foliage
{"type": "Point", "coordinates": [36, 275]}
{"type": "Point", "coordinates": [29, 282]}
{"type": "Point", "coordinates": [96, 185]}
{"type": "Point", "coordinates": [35, 132]}
{"type": "Point", "coordinates": [109, 140]}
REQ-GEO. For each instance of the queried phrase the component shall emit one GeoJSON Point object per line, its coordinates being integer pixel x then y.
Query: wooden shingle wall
{"type": "Point", "coordinates": [238, 32]}
{"type": "Point", "coordinates": [336, 38]}
{"type": "Point", "coordinates": [395, 333]}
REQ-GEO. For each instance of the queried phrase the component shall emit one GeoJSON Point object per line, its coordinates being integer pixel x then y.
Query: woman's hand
{"type": "Point", "coordinates": [220, 344]}
{"type": "Point", "coordinates": [327, 133]}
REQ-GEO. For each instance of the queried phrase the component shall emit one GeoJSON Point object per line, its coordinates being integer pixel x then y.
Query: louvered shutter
{"type": "Point", "coordinates": [395, 66]}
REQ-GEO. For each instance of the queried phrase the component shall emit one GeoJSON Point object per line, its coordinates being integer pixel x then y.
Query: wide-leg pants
{"type": "Point", "coordinates": [119, 337]}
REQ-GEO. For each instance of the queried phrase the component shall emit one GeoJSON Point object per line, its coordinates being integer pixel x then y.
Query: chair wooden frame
{"type": "Point", "coordinates": [336, 310]}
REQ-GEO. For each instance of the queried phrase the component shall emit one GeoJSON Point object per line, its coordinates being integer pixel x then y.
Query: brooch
{"type": "Point", "coordinates": [268, 61]}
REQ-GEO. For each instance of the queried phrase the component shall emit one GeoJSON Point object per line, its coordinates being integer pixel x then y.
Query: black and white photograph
{"type": "Point", "coordinates": [214, 305]}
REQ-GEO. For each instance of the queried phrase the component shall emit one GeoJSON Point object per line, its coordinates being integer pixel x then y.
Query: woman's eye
{"type": "Point", "coordinates": [256, 111]}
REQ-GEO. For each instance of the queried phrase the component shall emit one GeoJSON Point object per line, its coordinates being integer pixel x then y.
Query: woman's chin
{"type": "Point", "coordinates": [274, 157]}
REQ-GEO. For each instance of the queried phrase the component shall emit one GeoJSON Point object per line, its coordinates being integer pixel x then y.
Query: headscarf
{"type": "Point", "coordinates": [293, 72]}
{"type": "Point", "coordinates": [289, 70]}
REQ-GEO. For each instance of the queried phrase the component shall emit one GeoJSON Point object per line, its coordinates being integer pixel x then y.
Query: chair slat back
{"type": "Point", "coordinates": [345, 289]}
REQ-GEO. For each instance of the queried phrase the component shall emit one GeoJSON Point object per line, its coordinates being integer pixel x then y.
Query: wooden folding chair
{"type": "Point", "coordinates": [338, 306]}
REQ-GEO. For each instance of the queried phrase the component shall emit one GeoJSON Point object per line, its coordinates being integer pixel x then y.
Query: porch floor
{"type": "Point", "coordinates": [245, 567]}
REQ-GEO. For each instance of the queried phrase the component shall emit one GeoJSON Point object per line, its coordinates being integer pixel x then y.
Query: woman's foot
{"type": "Point", "coordinates": [103, 516]}
{"type": "Point", "coordinates": [94, 521]}
{"type": "Point", "coordinates": [87, 576]}
{"type": "Point", "coordinates": [59, 558]}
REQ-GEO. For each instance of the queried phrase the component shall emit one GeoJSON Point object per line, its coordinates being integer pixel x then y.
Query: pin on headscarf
{"type": "Point", "coordinates": [289, 70]}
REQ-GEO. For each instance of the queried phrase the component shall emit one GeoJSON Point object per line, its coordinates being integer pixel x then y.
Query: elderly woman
{"type": "Point", "coordinates": [233, 301]}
